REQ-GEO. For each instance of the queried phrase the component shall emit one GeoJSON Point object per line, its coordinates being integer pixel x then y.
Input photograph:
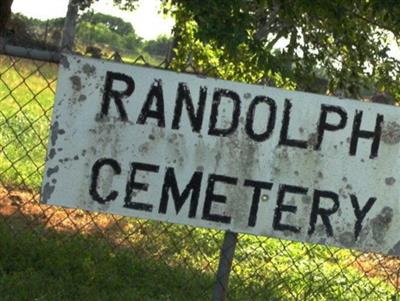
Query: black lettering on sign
{"type": "Point", "coordinates": [218, 198]}
{"type": "Point", "coordinates": [284, 140]}
{"type": "Point", "coordinates": [95, 177]}
{"type": "Point", "coordinates": [360, 213]}
{"type": "Point", "coordinates": [281, 207]}
{"type": "Point", "coordinates": [323, 212]}
{"type": "Point", "coordinates": [250, 118]}
{"type": "Point", "coordinates": [131, 185]}
{"type": "Point", "coordinates": [324, 126]}
{"type": "Point", "coordinates": [196, 118]}
{"type": "Point", "coordinates": [170, 184]}
{"type": "Point", "coordinates": [156, 94]}
{"type": "Point", "coordinates": [115, 94]}
{"type": "Point", "coordinates": [235, 99]}
{"type": "Point", "coordinates": [358, 133]}
{"type": "Point", "coordinates": [257, 185]}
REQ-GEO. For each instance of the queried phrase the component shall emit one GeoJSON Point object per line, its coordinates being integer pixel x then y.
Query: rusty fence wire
{"type": "Point", "coordinates": [161, 261]}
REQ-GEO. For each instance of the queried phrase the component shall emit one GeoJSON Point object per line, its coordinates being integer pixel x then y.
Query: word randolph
{"type": "Point", "coordinates": [153, 108]}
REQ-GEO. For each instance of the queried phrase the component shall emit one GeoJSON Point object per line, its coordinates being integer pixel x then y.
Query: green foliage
{"type": "Point", "coordinates": [216, 61]}
{"type": "Point", "coordinates": [159, 47]}
{"type": "Point", "coordinates": [37, 24]}
{"type": "Point", "coordinates": [345, 42]}
{"type": "Point", "coordinates": [100, 33]}
{"type": "Point", "coordinates": [91, 29]}
{"type": "Point", "coordinates": [122, 4]}
{"type": "Point", "coordinates": [114, 24]}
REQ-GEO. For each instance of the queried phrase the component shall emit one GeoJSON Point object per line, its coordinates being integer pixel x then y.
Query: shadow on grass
{"type": "Point", "coordinates": [42, 264]}
{"type": "Point", "coordinates": [56, 267]}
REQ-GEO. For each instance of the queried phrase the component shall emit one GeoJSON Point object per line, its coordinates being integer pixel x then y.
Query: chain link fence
{"type": "Point", "coordinates": [48, 252]}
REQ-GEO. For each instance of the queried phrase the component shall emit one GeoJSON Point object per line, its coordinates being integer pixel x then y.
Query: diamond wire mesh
{"type": "Point", "coordinates": [179, 262]}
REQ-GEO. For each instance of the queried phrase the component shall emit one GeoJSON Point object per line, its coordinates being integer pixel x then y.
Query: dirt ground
{"type": "Point", "coordinates": [22, 209]}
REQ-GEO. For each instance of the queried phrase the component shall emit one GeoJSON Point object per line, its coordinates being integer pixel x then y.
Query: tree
{"type": "Point", "coordinates": [123, 4]}
{"type": "Point", "coordinates": [106, 29]}
{"type": "Point", "coordinates": [115, 24]}
{"type": "Point", "coordinates": [159, 46]}
{"type": "Point", "coordinates": [345, 42]}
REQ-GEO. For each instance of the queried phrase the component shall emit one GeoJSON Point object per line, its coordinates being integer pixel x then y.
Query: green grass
{"type": "Point", "coordinates": [171, 263]}
{"type": "Point", "coordinates": [64, 267]}
{"type": "Point", "coordinates": [164, 262]}
{"type": "Point", "coordinates": [26, 98]}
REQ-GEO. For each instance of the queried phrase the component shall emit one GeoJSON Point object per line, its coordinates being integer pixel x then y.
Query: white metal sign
{"type": "Point", "coordinates": [180, 148]}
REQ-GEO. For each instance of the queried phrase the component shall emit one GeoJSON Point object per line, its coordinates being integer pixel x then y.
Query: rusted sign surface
{"type": "Point", "coordinates": [160, 145]}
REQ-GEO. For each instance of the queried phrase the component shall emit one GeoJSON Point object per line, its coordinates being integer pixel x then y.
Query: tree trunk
{"type": "Point", "coordinates": [172, 47]}
{"type": "Point", "coordinates": [5, 13]}
{"type": "Point", "coordinates": [67, 42]}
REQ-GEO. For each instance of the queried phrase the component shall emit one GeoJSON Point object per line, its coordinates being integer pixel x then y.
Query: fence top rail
{"type": "Point", "coordinates": [29, 53]}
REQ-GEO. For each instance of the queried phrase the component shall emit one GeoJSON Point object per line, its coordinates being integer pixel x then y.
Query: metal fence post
{"type": "Point", "coordinates": [224, 266]}
{"type": "Point", "coordinates": [68, 37]}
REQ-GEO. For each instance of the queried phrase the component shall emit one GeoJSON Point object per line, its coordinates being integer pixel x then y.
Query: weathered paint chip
{"type": "Point", "coordinates": [381, 223]}
{"type": "Point", "coordinates": [391, 133]}
{"type": "Point", "coordinates": [52, 153]}
{"type": "Point", "coordinates": [89, 69]}
{"type": "Point", "coordinates": [76, 82]}
{"type": "Point", "coordinates": [47, 192]}
{"type": "Point", "coordinates": [390, 181]}
{"type": "Point", "coordinates": [64, 61]}
{"type": "Point", "coordinates": [51, 171]}
{"type": "Point", "coordinates": [54, 133]}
